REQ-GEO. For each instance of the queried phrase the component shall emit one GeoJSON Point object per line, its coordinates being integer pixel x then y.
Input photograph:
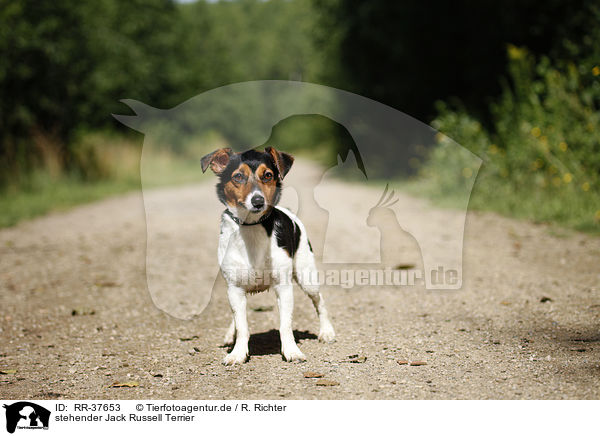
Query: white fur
{"type": "Point", "coordinates": [248, 200]}
{"type": "Point", "coordinates": [252, 262]}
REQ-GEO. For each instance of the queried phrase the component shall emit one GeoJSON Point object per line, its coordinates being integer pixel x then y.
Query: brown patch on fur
{"type": "Point", "coordinates": [283, 161]}
{"type": "Point", "coordinates": [236, 192]}
{"type": "Point", "coordinates": [268, 187]}
{"type": "Point", "coordinates": [217, 160]}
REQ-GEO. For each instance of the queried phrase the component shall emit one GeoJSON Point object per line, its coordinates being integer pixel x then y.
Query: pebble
{"type": "Point", "coordinates": [310, 374]}
{"type": "Point", "coordinates": [356, 358]}
{"type": "Point", "coordinates": [326, 382]}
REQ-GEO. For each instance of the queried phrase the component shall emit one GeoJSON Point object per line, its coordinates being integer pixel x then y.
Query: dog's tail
{"type": "Point", "coordinates": [305, 269]}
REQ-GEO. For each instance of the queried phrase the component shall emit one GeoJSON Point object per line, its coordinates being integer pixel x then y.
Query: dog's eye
{"type": "Point", "coordinates": [238, 177]}
{"type": "Point", "coordinates": [267, 176]}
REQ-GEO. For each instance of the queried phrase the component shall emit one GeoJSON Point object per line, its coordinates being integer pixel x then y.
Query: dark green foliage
{"type": "Point", "coordinates": [542, 154]}
{"type": "Point", "coordinates": [409, 54]}
{"type": "Point", "coordinates": [532, 115]}
{"type": "Point", "coordinates": [64, 65]}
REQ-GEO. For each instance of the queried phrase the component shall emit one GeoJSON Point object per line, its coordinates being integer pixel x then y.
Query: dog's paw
{"type": "Point", "coordinates": [293, 354]}
{"type": "Point", "coordinates": [235, 357]}
{"type": "Point", "coordinates": [327, 334]}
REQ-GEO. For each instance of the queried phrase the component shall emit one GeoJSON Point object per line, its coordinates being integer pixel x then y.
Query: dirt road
{"type": "Point", "coordinates": [77, 317]}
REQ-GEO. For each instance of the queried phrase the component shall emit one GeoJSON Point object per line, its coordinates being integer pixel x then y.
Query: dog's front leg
{"type": "Point", "coordinates": [285, 302]}
{"type": "Point", "coordinates": [237, 301]}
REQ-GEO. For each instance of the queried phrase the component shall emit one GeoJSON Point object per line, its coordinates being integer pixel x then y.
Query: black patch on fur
{"type": "Point", "coordinates": [253, 159]}
{"type": "Point", "coordinates": [286, 231]}
{"type": "Point", "coordinates": [269, 223]}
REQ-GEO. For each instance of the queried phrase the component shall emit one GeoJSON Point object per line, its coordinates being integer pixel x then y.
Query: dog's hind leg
{"type": "Point", "coordinates": [285, 302]}
{"type": "Point", "coordinates": [307, 276]}
{"type": "Point", "coordinates": [326, 332]}
{"type": "Point", "coordinates": [229, 338]}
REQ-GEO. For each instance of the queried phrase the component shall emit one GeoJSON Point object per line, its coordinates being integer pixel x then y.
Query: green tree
{"type": "Point", "coordinates": [410, 54]}
{"type": "Point", "coordinates": [66, 64]}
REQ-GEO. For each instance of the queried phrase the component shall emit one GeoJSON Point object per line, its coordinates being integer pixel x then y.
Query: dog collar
{"type": "Point", "coordinates": [237, 220]}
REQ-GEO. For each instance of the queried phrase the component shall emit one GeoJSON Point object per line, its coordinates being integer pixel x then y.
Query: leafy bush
{"type": "Point", "coordinates": [542, 151]}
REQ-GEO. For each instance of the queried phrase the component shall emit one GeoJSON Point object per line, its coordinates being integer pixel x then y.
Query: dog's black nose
{"type": "Point", "coordinates": [257, 201]}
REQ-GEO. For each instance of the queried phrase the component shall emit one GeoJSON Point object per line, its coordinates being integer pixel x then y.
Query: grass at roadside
{"type": "Point", "coordinates": [113, 162]}
{"type": "Point", "coordinates": [57, 194]}
{"type": "Point", "coordinates": [117, 167]}
{"type": "Point", "coordinates": [564, 210]}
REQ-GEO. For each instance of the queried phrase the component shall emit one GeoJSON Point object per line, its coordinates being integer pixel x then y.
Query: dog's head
{"type": "Point", "coordinates": [249, 182]}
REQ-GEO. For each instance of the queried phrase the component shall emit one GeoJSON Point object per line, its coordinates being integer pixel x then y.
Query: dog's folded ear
{"type": "Point", "coordinates": [283, 161]}
{"type": "Point", "coordinates": [217, 160]}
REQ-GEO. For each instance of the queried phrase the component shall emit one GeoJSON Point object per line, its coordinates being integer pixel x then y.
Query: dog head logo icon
{"type": "Point", "coordinates": [26, 415]}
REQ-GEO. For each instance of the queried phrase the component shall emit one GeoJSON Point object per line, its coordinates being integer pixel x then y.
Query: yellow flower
{"type": "Point", "coordinates": [493, 149]}
{"type": "Point", "coordinates": [467, 173]}
{"type": "Point", "coordinates": [585, 186]}
{"type": "Point", "coordinates": [515, 52]}
{"type": "Point", "coordinates": [538, 163]}
{"type": "Point", "coordinates": [596, 71]}
{"type": "Point", "coordinates": [568, 177]}
{"type": "Point", "coordinates": [536, 131]}
{"type": "Point", "coordinates": [563, 146]}
{"type": "Point", "coordinates": [544, 140]}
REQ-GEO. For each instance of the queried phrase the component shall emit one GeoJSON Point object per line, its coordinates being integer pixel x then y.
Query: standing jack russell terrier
{"type": "Point", "coordinates": [262, 245]}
